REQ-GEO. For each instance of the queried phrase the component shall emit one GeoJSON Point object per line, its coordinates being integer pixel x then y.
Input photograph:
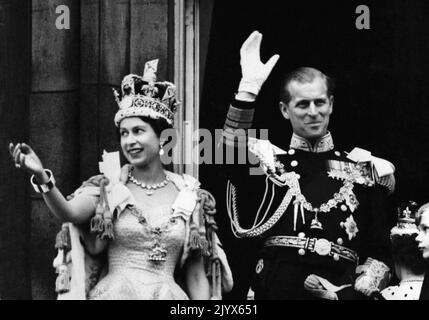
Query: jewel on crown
{"type": "Point", "coordinates": [144, 96]}
{"type": "Point", "coordinates": [406, 223]}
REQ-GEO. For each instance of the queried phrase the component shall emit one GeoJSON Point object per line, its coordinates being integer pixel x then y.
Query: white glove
{"type": "Point", "coordinates": [374, 276]}
{"type": "Point", "coordinates": [254, 72]}
{"type": "Point", "coordinates": [321, 288]}
{"type": "Point", "coordinates": [364, 284]}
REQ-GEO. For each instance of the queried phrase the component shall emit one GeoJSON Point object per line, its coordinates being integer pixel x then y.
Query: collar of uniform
{"type": "Point", "coordinates": [323, 144]}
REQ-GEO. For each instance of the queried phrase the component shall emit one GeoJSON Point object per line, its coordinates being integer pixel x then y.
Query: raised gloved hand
{"type": "Point", "coordinates": [364, 284]}
{"type": "Point", "coordinates": [254, 72]}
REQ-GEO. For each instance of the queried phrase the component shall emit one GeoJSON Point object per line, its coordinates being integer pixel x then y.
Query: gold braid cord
{"type": "Point", "coordinates": [61, 262]}
{"type": "Point", "coordinates": [63, 240]}
{"type": "Point", "coordinates": [290, 180]}
{"type": "Point", "coordinates": [208, 208]}
{"type": "Point", "coordinates": [102, 222]}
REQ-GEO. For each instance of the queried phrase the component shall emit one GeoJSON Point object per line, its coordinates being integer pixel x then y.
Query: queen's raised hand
{"type": "Point", "coordinates": [254, 71]}
{"type": "Point", "coordinates": [25, 158]}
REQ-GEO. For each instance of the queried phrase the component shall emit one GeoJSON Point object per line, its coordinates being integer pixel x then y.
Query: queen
{"type": "Point", "coordinates": [155, 228]}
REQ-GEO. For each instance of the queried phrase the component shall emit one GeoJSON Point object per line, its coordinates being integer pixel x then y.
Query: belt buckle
{"type": "Point", "coordinates": [322, 247]}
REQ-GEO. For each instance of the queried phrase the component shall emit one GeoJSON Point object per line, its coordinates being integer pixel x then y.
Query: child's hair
{"type": "Point", "coordinates": [405, 252]}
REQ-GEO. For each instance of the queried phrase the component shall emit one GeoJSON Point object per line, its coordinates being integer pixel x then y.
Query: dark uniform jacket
{"type": "Point", "coordinates": [332, 243]}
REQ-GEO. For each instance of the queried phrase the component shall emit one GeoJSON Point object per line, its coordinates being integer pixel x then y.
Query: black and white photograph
{"type": "Point", "coordinates": [233, 151]}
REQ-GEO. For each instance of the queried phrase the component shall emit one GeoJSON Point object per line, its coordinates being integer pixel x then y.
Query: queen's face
{"type": "Point", "coordinates": [139, 142]}
{"type": "Point", "coordinates": [423, 236]}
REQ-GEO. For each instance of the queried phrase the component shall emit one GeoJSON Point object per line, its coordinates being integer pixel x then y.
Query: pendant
{"type": "Point", "coordinates": [149, 192]}
{"type": "Point", "coordinates": [315, 223]}
{"type": "Point", "coordinates": [158, 254]}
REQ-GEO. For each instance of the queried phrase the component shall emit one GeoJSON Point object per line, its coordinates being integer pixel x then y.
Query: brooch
{"type": "Point", "coordinates": [360, 173]}
{"type": "Point", "coordinates": [350, 227]}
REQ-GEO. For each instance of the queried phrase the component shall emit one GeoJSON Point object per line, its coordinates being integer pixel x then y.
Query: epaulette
{"type": "Point", "coordinates": [382, 170]}
{"type": "Point", "coordinates": [360, 172]}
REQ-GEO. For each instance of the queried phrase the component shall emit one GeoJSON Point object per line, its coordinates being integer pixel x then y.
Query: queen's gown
{"type": "Point", "coordinates": [145, 254]}
{"type": "Point", "coordinates": [132, 271]}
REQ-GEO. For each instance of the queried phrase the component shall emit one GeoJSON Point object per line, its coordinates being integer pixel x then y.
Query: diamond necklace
{"type": "Point", "coordinates": [150, 188]}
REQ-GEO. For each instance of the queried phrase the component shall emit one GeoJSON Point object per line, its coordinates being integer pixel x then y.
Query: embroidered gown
{"type": "Point", "coordinates": [149, 245]}
{"type": "Point", "coordinates": [133, 272]}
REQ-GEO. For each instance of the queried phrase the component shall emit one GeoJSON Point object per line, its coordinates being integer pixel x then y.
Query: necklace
{"type": "Point", "coordinates": [290, 179]}
{"type": "Point", "coordinates": [150, 188]}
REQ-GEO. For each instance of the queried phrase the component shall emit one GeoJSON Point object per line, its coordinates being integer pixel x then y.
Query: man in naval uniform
{"type": "Point", "coordinates": [321, 222]}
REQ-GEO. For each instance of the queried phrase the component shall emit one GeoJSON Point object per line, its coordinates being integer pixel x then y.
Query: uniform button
{"type": "Point", "coordinates": [337, 153]}
{"type": "Point", "coordinates": [340, 241]}
{"type": "Point", "coordinates": [336, 257]}
{"type": "Point", "coordinates": [298, 176]}
{"type": "Point", "coordinates": [343, 207]}
{"type": "Point", "coordinates": [301, 235]}
{"type": "Point", "coordinates": [294, 163]}
{"type": "Point", "coordinates": [291, 152]}
{"type": "Point", "coordinates": [301, 252]}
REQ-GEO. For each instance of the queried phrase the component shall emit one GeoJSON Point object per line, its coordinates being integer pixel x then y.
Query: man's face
{"type": "Point", "coordinates": [309, 108]}
{"type": "Point", "coordinates": [423, 236]}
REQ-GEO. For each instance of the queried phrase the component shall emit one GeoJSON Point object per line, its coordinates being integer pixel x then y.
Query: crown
{"type": "Point", "coordinates": [406, 223]}
{"type": "Point", "coordinates": [143, 96]}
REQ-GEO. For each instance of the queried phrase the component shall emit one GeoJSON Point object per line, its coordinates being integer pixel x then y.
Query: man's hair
{"type": "Point", "coordinates": [304, 75]}
{"type": "Point", "coordinates": [420, 212]}
{"type": "Point", "coordinates": [405, 252]}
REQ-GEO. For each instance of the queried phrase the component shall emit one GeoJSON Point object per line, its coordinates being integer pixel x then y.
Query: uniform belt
{"type": "Point", "coordinates": [322, 247]}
